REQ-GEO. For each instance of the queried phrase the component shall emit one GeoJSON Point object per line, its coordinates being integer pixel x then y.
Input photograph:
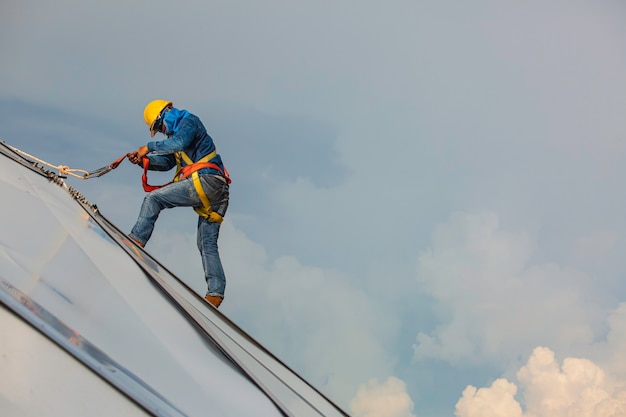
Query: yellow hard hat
{"type": "Point", "coordinates": [152, 112]}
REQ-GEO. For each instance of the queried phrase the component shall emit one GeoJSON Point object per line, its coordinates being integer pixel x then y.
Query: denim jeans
{"type": "Point", "coordinates": [184, 194]}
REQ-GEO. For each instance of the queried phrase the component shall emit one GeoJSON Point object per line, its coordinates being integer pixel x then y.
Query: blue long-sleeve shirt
{"type": "Point", "coordinates": [189, 136]}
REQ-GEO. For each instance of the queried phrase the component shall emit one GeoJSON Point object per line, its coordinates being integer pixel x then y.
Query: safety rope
{"type": "Point", "coordinates": [64, 170]}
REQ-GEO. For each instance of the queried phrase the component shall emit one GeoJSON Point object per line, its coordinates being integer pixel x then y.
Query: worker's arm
{"type": "Point", "coordinates": [178, 141]}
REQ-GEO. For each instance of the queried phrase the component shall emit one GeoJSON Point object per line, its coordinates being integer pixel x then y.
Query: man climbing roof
{"type": "Point", "coordinates": [201, 181]}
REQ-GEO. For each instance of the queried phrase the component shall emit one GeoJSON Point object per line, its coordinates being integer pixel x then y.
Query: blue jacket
{"type": "Point", "coordinates": [185, 132]}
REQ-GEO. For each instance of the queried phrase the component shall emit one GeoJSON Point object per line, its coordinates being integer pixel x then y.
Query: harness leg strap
{"type": "Point", "coordinates": [205, 211]}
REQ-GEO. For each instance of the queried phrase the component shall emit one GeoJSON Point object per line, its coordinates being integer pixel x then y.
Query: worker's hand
{"type": "Point", "coordinates": [137, 156]}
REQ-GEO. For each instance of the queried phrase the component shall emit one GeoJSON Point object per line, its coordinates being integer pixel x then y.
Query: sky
{"type": "Point", "coordinates": [426, 213]}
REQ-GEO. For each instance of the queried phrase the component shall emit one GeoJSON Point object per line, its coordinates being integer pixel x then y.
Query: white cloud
{"type": "Point", "coordinates": [494, 304]}
{"type": "Point", "coordinates": [495, 401]}
{"type": "Point", "coordinates": [610, 352]}
{"type": "Point", "coordinates": [594, 247]}
{"type": "Point", "coordinates": [388, 399]}
{"type": "Point", "coordinates": [578, 388]}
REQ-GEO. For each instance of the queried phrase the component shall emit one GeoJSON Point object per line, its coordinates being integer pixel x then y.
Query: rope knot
{"type": "Point", "coordinates": [63, 170]}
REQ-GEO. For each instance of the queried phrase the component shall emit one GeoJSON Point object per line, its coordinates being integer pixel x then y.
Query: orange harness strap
{"type": "Point", "coordinates": [181, 174]}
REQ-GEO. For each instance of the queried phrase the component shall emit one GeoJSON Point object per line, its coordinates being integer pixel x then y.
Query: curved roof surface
{"type": "Point", "coordinates": [85, 307]}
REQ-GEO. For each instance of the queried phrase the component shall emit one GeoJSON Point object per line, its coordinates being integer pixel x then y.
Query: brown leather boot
{"type": "Point", "coordinates": [214, 300]}
{"type": "Point", "coordinates": [138, 243]}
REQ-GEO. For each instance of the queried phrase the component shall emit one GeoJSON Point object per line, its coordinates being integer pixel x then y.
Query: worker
{"type": "Point", "coordinates": [201, 181]}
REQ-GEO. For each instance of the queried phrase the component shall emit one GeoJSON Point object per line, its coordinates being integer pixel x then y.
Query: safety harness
{"type": "Point", "coordinates": [190, 169]}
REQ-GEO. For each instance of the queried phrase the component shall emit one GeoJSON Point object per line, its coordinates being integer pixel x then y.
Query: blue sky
{"type": "Point", "coordinates": [426, 209]}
